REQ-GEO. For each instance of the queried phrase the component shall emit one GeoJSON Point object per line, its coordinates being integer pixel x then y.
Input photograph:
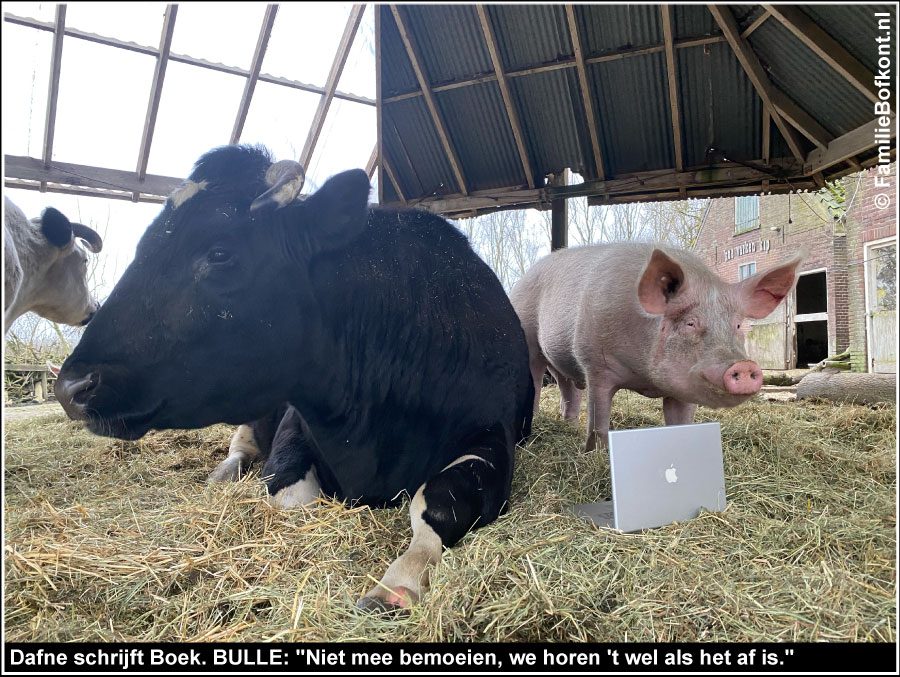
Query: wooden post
{"type": "Point", "coordinates": [559, 224]}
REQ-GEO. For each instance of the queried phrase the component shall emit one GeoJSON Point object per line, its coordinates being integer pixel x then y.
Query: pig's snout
{"type": "Point", "coordinates": [743, 378]}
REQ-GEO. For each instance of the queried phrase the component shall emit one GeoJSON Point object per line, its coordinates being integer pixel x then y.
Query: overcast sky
{"type": "Point", "coordinates": [104, 92]}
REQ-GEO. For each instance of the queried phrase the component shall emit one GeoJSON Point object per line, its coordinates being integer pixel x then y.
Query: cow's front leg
{"type": "Point", "coordinates": [250, 443]}
{"type": "Point", "coordinates": [676, 412]}
{"type": "Point", "coordinates": [290, 473]}
{"type": "Point", "coordinates": [468, 493]}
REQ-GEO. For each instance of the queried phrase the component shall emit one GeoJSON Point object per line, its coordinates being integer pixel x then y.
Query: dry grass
{"type": "Point", "coordinates": [114, 541]}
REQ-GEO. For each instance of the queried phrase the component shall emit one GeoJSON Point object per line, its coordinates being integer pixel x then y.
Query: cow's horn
{"type": "Point", "coordinates": [89, 235]}
{"type": "Point", "coordinates": [285, 179]}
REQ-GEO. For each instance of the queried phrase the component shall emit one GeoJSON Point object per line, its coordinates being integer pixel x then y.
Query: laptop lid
{"type": "Point", "coordinates": [666, 474]}
{"type": "Point", "coordinates": [661, 475]}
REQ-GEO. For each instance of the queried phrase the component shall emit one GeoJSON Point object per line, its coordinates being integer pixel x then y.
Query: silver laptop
{"type": "Point", "coordinates": [661, 475]}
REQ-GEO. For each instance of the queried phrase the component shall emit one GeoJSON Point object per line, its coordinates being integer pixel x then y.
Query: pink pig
{"type": "Point", "coordinates": [649, 318]}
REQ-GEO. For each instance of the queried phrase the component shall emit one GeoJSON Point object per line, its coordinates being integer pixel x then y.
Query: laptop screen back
{"type": "Point", "coordinates": [666, 474]}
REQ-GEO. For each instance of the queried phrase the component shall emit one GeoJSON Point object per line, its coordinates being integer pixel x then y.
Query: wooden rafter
{"type": "Point", "coordinates": [390, 172]}
{"type": "Point", "coordinates": [585, 90]}
{"type": "Point", "coordinates": [826, 48]}
{"type": "Point", "coordinates": [33, 169]}
{"type": "Point", "coordinates": [754, 70]}
{"type": "Point", "coordinates": [334, 75]}
{"type": "Point", "coordinates": [53, 93]}
{"type": "Point", "coordinates": [87, 192]}
{"type": "Point", "coordinates": [159, 75]}
{"type": "Point", "coordinates": [372, 163]}
{"type": "Point", "coordinates": [183, 58]}
{"type": "Point", "coordinates": [671, 69]}
{"type": "Point", "coordinates": [255, 66]}
{"type": "Point", "coordinates": [846, 147]}
{"type": "Point", "coordinates": [800, 119]}
{"type": "Point", "coordinates": [379, 109]}
{"type": "Point", "coordinates": [491, 41]}
{"type": "Point", "coordinates": [757, 22]}
{"type": "Point", "coordinates": [415, 60]}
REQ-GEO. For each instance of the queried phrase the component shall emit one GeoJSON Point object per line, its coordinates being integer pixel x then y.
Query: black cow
{"type": "Point", "coordinates": [403, 361]}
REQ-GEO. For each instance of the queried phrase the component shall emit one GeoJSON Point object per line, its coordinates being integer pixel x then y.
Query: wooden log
{"type": "Point", "coordinates": [850, 388]}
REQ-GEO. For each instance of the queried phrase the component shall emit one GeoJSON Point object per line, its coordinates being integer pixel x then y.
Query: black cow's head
{"type": "Point", "coordinates": [208, 323]}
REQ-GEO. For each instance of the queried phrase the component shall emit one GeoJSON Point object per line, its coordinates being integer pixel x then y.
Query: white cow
{"type": "Point", "coordinates": [45, 267]}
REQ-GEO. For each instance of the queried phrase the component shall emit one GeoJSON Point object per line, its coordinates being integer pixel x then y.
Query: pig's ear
{"type": "Point", "coordinates": [663, 278]}
{"type": "Point", "coordinates": [764, 291]}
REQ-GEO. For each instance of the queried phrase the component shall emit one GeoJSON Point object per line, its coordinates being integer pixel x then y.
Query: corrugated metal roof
{"type": "Point", "coordinates": [629, 93]}
{"type": "Point", "coordinates": [813, 85]}
{"type": "Point", "coordinates": [852, 25]}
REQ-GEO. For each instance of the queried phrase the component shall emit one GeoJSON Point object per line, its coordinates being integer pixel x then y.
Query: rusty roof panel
{"type": "Point", "coordinates": [808, 80]}
{"type": "Point", "coordinates": [609, 28]}
{"type": "Point", "coordinates": [854, 27]}
{"type": "Point", "coordinates": [693, 21]}
{"type": "Point", "coordinates": [631, 99]}
{"type": "Point", "coordinates": [449, 39]}
{"type": "Point", "coordinates": [479, 128]}
{"type": "Point", "coordinates": [720, 106]}
{"type": "Point", "coordinates": [427, 170]}
{"type": "Point", "coordinates": [553, 121]}
{"type": "Point", "coordinates": [529, 35]}
{"type": "Point", "coordinates": [397, 74]}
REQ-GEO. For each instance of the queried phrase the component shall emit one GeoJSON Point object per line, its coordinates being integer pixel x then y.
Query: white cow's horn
{"type": "Point", "coordinates": [89, 235]}
{"type": "Point", "coordinates": [285, 179]}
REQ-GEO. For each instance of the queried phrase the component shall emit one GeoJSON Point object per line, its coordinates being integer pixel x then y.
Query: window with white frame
{"type": "Point", "coordinates": [746, 213]}
{"type": "Point", "coordinates": [746, 270]}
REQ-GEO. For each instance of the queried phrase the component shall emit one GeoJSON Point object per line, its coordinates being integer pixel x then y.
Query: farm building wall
{"type": "Point", "coordinates": [831, 228]}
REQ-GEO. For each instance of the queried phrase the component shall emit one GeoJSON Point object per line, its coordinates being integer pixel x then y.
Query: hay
{"type": "Point", "coordinates": [123, 541]}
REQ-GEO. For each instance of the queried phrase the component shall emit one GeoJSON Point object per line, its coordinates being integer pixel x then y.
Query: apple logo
{"type": "Point", "coordinates": [671, 477]}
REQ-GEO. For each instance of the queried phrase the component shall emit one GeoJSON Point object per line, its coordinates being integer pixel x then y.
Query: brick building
{"type": "Point", "coordinates": [846, 295]}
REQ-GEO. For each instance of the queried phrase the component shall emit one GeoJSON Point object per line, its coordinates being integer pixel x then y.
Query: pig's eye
{"type": "Point", "coordinates": [739, 325]}
{"type": "Point", "coordinates": [690, 323]}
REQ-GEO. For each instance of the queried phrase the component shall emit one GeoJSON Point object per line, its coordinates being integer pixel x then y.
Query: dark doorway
{"type": "Point", "coordinates": [812, 343]}
{"type": "Point", "coordinates": [812, 294]}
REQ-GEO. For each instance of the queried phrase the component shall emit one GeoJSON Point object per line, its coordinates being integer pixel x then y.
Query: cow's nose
{"type": "Point", "coordinates": [74, 393]}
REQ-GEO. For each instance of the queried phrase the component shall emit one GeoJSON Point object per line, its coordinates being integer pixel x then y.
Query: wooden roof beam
{"type": "Point", "coordinates": [491, 41]}
{"type": "Point", "coordinates": [754, 70]}
{"type": "Point", "coordinates": [757, 22]}
{"type": "Point", "coordinates": [159, 75]}
{"type": "Point", "coordinates": [372, 163]}
{"type": "Point", "coordinates": [671, 68]}
{"type": "Point", "coordinates": [416, 61]}
{"type": "Point", "coordinates": [847, 147]}
{"type": "Point", "coordinates": [585, 91]}
{"type": "Point", "coordinates": [334, 75]}
{"type": "Point", "coordinates": [390, 172]}
{"type": "Point", "coordinates": [59, 33]}
{"type": "Point", "coordinates": [826, 48]}
{"type": "Point", "coordinates": [253, 76]}
{"type": "Point", "coordinates": [379, 110]}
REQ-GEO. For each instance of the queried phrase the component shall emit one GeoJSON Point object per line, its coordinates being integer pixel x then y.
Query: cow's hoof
{"type": "Point", "coordinates": [228, 470]}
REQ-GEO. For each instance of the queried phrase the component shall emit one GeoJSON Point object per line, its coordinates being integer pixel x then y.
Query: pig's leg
{"type": "Point", "coordinates": [676, 412]}
{"type": "Point", "coordinates": [569, 396]}
{"type": "Point", "coordinates": [538, 365]}
{"type": "Point", "coordinates": [599, 405]}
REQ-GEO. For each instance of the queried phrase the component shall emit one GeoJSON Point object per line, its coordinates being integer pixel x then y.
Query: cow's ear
{"type": "Point", "coordinates": [764, 291]}
{"type": "Point", "coordinates": [337, 212]}
{"type": "Point", "coordinates": [56, 227]}
{"type": "Point", "coordinates": [662, 280]}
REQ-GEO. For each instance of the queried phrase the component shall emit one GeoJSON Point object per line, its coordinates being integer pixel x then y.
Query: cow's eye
{"type": "Point", "coordinates": [218, 255]}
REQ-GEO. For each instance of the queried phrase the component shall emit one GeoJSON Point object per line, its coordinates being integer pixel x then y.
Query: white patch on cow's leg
{"type": "Point", "coordinates": [407, 577]}
{"type": "Point", "coordinates": [303, 492]}
{"type": "Point", "coordinates": [242, 451]}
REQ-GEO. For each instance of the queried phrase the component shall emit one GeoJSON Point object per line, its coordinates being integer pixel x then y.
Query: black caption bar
{"type": "Point", "coordinates": [20, 658]}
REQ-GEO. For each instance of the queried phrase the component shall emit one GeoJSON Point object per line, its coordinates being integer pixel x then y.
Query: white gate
{"type": "Point", "coordinates": [881, 305]}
